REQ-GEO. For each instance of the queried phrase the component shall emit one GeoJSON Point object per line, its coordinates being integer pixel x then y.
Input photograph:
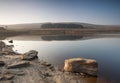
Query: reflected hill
{"type": "Point", "coordinates": [78, 37]}
{"type": "Point", "coordinates": [59, 38]}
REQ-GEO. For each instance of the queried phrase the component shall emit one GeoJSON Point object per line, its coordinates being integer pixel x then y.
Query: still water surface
{"type": "Point", "coordinates": [105, 50]}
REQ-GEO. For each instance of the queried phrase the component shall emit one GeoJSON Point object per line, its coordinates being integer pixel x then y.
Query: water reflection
{"type": "Point", "coordinates": [59, 37]}
{"type": "Point", "coordinates": [69, 37]}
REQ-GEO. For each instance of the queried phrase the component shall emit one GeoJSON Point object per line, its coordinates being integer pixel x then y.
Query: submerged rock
{"type": "Point", "coordinates": [45, 63]}
{"type": "Point", "coordinates": [18, 64]}
{"type": "Point", "coordinates": [81, 65]}
{"type": "Point", "coordinates": [11, 41]}
{"type": "Point", "coordinates": [30, 55]}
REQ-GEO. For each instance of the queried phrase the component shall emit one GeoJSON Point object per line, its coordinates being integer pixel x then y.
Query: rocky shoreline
{"type": "Point", "coordinates": [27, 68]}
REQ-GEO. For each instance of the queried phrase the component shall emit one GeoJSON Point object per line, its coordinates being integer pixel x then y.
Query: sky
{"type": "Point", "coordinates": [104, 12]}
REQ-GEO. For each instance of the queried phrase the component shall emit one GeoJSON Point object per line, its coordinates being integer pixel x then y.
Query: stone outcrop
{"type": "Point", "coordinates": [6, 49]}
{"type": "Point", "coordinates": [30, 55]}
{"type": "Point", "coordinates": [81, 65]}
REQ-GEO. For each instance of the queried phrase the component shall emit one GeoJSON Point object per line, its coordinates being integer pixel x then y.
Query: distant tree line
{"type": "Point", "coordinates": [61, 25]}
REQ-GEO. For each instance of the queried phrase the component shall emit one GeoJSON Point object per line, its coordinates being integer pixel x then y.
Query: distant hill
{"type": "Point", "coordinates": [64, 25]}
{"type": "Point", "coordinates": [38, 26]}
{"type": "Point", "coordinates": [24, 27]}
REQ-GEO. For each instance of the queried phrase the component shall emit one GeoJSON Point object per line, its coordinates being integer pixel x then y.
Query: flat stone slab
{"type": "Point", "coordinates": [6, 77]}
{"type": "Point", "coordinates": [19, 64]}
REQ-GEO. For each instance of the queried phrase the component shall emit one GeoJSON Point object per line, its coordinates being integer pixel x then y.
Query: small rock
{"type": "Point", "coordinates": [11, 41]}
{"type": "Point", "coordinates": [18, 64]}
{"type": "Point", "coordinates": [1, 77]}
{"type": "Point", "coordinates": [2, 63]}
{"type": "Point", "coordinates": [7, 77]}
{"type": "Point", "coordinates": [52, 68]}
{"type": "Point", "coordinates": [30, 55]}
{"type": "Point", "coordinates": [47, 75]}
{"type": "Point", "coordinates": [2, 45]}
{"type": "Point", "coordinates": [82, 74]}
{"type": "Point", "coordinates": [45, 64]}
{"type": "Point", "coordinates": [81, 65]}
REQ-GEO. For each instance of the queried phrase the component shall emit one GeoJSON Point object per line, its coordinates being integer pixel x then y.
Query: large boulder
{"type": "Point", "coordinates": [30, 55]}
{"type": "Point", "coordinates": [81, 65]}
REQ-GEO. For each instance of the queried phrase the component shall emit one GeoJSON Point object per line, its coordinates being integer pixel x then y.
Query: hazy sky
{"type": "Point", "coordinates": [32, 11]}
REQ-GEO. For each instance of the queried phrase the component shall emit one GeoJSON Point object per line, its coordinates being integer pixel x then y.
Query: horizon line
{"type": "Point", "coordinates": [57, 22]}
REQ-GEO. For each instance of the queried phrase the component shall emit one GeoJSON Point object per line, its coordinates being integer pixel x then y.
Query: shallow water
{"type": "Point", "coordinates": [105, 50]}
